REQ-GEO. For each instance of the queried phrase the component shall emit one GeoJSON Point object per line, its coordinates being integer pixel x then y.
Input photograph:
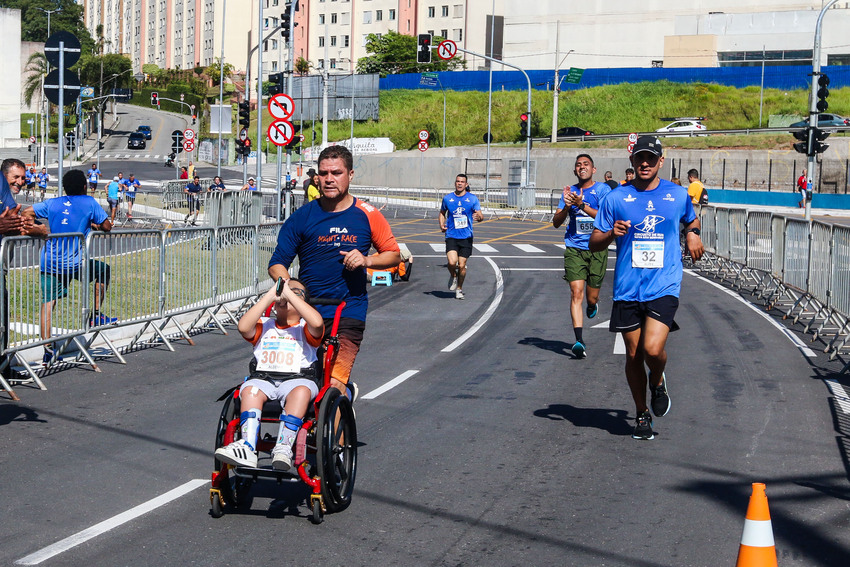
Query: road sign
{"type": "Point", "coordinates": [86, 92]}
{"type": "Point", "coordinates": [424, 135]}
{"type": "Point", "coordinates": [281, 106]}
{"type": "Point", "coordinates": [71, 86]}
{"type": "Point", "coordinates": [446, 50]}
{"type": "Point", "coordinates": [301, 138]}
{"type": "Point", "coordinates": [243, 134]}
{"type": "Point", "coordinates": [428, 79]}
{"type": "Point", "coordinates": [574, 76]}
{"type": "Point", "coordinates": [71, 47]}
{"type": "Point", "coordinates": [188, 145]}
{"type": "Point", "coordinates": [488, 138]}
{"type": "Point", "coordinates": [281, 132]}
{"type": "Point", "coordinates": [423, 145]}
{"type": "Point", "coordinates": [189, 134]}
{"type": "Point", "coordinates": [633, 137]}
{"type": "Point", "coordinates": [32, 139]}
{"type": "Point", "coordinates": [181, 97]}
{"type": "Point", "coordinates": [631, 147]}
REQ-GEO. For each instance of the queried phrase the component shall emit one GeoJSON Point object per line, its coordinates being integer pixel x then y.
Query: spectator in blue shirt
{"type": "Point", "coordinates": [112, 195]}
{"type": "Point", "coordinates": [62, 257]}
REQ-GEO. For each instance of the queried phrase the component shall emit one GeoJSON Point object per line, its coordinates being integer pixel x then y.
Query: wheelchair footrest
{"type": "Point", "coordinates": [268, 473]}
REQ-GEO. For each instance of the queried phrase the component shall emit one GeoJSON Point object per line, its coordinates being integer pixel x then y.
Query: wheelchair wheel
{"type": "Point", "coordinates": [233, 489]}
{"type": "Point", "coordinates": [336, 451]}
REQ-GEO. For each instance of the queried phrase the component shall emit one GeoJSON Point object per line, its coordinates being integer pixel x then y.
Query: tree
{"type": "Point", "coordinates": [396, 53]}
{"type": "Point", "coordinates": [302, 66]}
{"type": "Point", "coordinates": [214, 70]}
{"type": "Point", "coordinates": [34, 20]}
{"type": "Point", "coordinates": [113, 64]}
{"type": "Point", "coordinates": [35, 70]}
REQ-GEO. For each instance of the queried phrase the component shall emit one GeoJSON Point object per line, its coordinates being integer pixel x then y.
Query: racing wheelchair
{"type": "Point", "coordinates": [325, 451]}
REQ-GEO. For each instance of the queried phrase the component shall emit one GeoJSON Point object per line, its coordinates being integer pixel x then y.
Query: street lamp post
{"type": "Point", "coordinates": [46, 131]}
{"type": "Point", "coordinates": [557, 84]}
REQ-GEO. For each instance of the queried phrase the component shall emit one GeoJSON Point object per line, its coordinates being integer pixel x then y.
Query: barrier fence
{"type": "Point", "coordinates": [801, 268]}
{"type": "Point", "coordinates": [148, 286]}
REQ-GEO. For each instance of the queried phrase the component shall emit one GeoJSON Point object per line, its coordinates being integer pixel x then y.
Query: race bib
{"type": "Point", "coordinates": [279, 355]}
{"type": "Point", "coordinates": [461, 221]}
{"type": "Point", "coordinates": [648, 254]}
{"type": "Point", "coordinates": [584, 224]}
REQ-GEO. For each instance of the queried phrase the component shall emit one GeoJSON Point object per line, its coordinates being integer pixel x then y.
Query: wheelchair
{"type": "Point", "coordinates": [325, 451]}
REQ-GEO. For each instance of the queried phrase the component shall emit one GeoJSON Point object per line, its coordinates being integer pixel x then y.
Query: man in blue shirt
{"type": "Point", "coordinates": [579, 203]}
{"type": "Point", "coordinates": [193, 195]}
{"type": "Point", "coordinates": [62, 258]}
{"type": "Point", "coordinates": [93, 174]}
{"type": "Point", "coordinates": [43, 180]}
{"type": "Point", "coordinates": [112, 195]}
{"type": "Point", "coordinates": [31, 179]}
{"type": "Point", "coordinates": [457, 212]}
{"type": "Point", "coordinates": [644, 217]}
{"type": "Point", "coordinates": [131, 185]}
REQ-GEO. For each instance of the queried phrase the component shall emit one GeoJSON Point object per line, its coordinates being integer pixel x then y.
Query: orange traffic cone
{"type": "Point", "coordinates": [757, 547]}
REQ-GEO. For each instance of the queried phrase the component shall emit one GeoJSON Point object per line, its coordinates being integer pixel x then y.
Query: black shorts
{"type": "Point", "coordinates": [630, 315]}
{"type": "Point", "coordinates": [463, 246]}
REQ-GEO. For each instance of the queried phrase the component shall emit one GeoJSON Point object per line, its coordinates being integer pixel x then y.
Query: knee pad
{"type": "Point", "coordinates": [291, 422]}
{"type": "Point", "coordinates": [248, 414]}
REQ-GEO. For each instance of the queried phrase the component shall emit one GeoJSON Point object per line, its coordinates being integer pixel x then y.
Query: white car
{"type": "Point", "coordinates": [685, 125]}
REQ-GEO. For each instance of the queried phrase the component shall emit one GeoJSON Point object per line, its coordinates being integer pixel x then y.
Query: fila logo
{"type": "Point", "coordinates": [338, 230]}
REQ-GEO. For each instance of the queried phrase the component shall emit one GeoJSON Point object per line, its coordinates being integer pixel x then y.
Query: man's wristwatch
{"type": "Point", "coordinates": [582, 205]}
{"type": "Point", "coordinates": [694, 230]}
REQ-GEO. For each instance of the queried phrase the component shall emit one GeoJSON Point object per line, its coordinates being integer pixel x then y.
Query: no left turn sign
{"type": "Point", "coordinates": [446, 50]}
{"type": "Point", "coordinates": [281, 106]}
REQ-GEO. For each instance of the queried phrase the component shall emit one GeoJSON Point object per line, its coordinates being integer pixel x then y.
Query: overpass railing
{"type": "Point", "coordinates": [801, 268]}
{"type": "Point", "coordinates": [160, 285]}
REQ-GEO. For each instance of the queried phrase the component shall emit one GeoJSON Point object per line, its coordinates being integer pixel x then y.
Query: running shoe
{"type": "Point", "coordinates": [237, 453]}
{"type": "Point", "coordinates": [578, 350]}
{"type": "Point", "coordinates": [592, 311]}
{"type": "Point", "coordinates": [353, 391]}
{"type": "Point", "coordinates": [281, 457]}
{"type": "Point", "coordinates": [100, 320]}
{"type": "Point", "coordinates": [643, 426]}
{"type": "Point", "coordinates": [459, 294]}
{"type": "Point", "coordinates": [452, 283]}
{"type": "Point", "coordinates": [660, 398]}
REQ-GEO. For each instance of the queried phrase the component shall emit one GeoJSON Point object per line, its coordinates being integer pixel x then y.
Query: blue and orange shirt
{"type": "Point", "coordinates": [317, 237]}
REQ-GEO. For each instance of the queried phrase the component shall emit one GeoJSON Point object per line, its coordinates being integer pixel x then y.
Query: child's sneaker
{"type": "Point", "coordinates": [237, 453]}
{"type": "Point", "coordinates": [281, 457]}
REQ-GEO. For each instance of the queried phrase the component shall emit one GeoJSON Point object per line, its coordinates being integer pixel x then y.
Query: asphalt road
{"type": "Point", "coordinates": [501, 449]}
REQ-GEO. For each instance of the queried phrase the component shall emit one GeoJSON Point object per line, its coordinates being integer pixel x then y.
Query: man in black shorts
{"type": "Point", "coordinates": [457, 212]}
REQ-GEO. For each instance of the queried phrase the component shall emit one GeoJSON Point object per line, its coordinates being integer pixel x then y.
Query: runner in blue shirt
{"type": "Point", "coordinates": [193, 195]}
{"type": "Point", "coordinates": [62, 258]}
{"type": "Point", "coordinates": [93, 175]}
{"type": "Point", "coordinates": [579, 203]}
{"type": "Point", "coordinates": [644, 217]}
{"type": "Point", "coordinates": [43, 180]}
{"type": "Point", "coordinates": [112, 196]}
{"type": "Point", "coordinates": [32, 177]}
{"type": "Point", "coordinates": [457, 212]}
{"type": "Point", "coordinates": [131, 185]}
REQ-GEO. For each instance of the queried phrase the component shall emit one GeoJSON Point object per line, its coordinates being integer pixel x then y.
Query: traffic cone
{"type": "Point", "coordinates": [757, 547]}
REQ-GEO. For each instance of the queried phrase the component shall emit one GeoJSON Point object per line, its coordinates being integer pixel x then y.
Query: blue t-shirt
{"type": "Point", "coordinates": [7, 198]}
{"type": "Point", "coordinates": [30, 176]}
{"type": "Point", "coordinates": [112, 189]}
{"type": "Point", "coordinates": [458, 211]}
{"type": "Point", "coordinates": [93, 174]}
{"type": "Point", "coordinates": [649, 256]}
{"type": "Point", "coordinates": [193, 187]}
{"type": "Point", "coordinates": [131, 186]}
{"type": "Point", "coordinates": [317, 237]}
{"type": "Point", "coordinates": [580, 225]}
{"type": "Point", "coordinates": [43, 178]}
{"type": "Point", "coordinates": [71, 213]}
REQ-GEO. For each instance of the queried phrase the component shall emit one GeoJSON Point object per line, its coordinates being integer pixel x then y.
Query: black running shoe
{"type": "Point", "coordinates": [660, 398]}
{"type": "Point", "coordinates": [643, 427]}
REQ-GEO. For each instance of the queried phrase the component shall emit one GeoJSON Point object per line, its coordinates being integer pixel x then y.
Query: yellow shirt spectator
{"type": "Point", "coordinates": [695, 190]}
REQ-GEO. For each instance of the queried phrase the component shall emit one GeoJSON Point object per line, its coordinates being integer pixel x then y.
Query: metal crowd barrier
{"type": "Point", "coordinates": [797, 267]}
{"type": "Point", "coordinates": [151, 280]}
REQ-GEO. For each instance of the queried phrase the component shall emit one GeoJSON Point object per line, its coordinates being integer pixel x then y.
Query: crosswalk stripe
{"type": "Point", "coordinates": [484, 248]}
{"type": "Point", "coordinates": [528, 248]}
{"type": "Point", "coordinates": [438, 247]}
{"type": "Point", "coordinates": [619, 344]}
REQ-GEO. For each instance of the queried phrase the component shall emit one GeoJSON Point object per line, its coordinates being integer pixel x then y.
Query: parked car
{"type": "Point", "coordinates": [684, 125]}
{"type": "Point", "coordinates": [574, 131]}
{"type": "Point", "coordinates": [824, 119]}
{"type": "Point", "coordinates": [136, 141]}
{"type": "Point", "coordinates": [146, 130]}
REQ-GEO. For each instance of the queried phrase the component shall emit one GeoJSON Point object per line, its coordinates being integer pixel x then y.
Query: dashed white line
{"type": "Point", "coordinates": [438, 247]}
{"type": "Point", "coordinates": [389, 385]}
{"type": "Point", "coordinates": [484, 248]}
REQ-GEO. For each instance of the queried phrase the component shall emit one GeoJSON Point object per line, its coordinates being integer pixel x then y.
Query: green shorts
{"type": "Point", "coordinates": [584, 265]}
{"type": "Point", "coordinates": [55, 286]}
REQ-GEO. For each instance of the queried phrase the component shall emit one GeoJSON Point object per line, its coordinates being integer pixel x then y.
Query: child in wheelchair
{"type": "Point", "coordinates": [283, 368]}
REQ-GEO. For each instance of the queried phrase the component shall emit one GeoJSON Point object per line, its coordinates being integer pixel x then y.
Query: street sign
{"type": "Point", "coordinates": [71, 86]}
{"type": "Point", "coordinates": [424, 135]}
{"type": "Point", "coordinates": [32, 139]}
{"type": "Point", "coordinates": [71, 47]}
{"type": "Point", "coordinates": [189, 134]}
{"type": "Point", "coordinates": [188, 145]}
{"type": "Point", "coordinates": [281, 106]}
{"type": "Point", "coordinates": [633, 137]}
{"type": "Point", "coordinates": [423, 145]}
{"type": "Point", "coordinates": [301, 138]}
{"type": "Point", "coordinates": [86, 92]}
{"type": "Point", "coordinates": [574, 76]}
{"type": "Point", "coordinates": [181, 97]}
{"type": "Point", "coordinates": [446, 50]}
{"type": "Point", "coordinates": [281, 132]}
{"type": "Point", "coordinates": [243, 134]}
{"type": "Point", "coordinates": [428, 79]}
{"type": "Point", "coordinates": [631, 147]}
{"type": "Point", "coordinates": [488, 138]}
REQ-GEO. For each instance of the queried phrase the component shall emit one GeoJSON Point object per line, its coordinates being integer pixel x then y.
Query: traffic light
{"type": "Point", "coordinates": [296, 137]}
{"type": "Point", "coordinates": [803, 145]}
{"type": "Point", "coordinates": [285, 25]}
{"type": "Point", "coordinates": [240, 147]}
{"type": "Point", "coordinates": [244, 114]}
{"type": "Point", "coordinates": [823, 92]}
{"type": "Point", "coordinates": [276, 83]}
{"type": "Point", "coordinates": [423, 51]}
{"type": "Point", "coordinates": [523, 126]}
{"type": "Point", "coordinates": [177, 141]}
{"type": "Point", "coordinates": [818, 136]}
{"type": "Point", "coordinates": [155, 98]}
{"type": "Point", "coordinates": [194, 118]}
{"type": "Point", "coordinates": [811, 141]}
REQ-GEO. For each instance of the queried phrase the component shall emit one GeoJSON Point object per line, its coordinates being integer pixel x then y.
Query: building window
{"type": "Point", "coordinates": [444, 34]}
{"type": "Point", "coordinates": [365, 38]}
{"type": "Point", "coordinates": [321, 41]}
{"type": "Point", "coordinates": [333, 18]}
{"type": "Point", "coordinates": [458, 10]}
{"type": "Point", "coordinates": [321, 63]}
{"type": "Point", "coordinates": [379, 15]}
{"type": "Point", "coordinates": [333, 63]}
{"type": "Point", "coordinates": [345, 41]}
{"type": "Point", "coordinates": [367, 17]}
{"type": "Point", "coordinates": [444, 11]}
{"type": "Point", "coordinates": [431, 11]}
{"type": "Point", "coordinates": [838, 59]}
{"type": "Point", "coordinates": [392, 14]}
{"type": "Point", "coordinates": [459, 34]}
{"type": "Point", "coordinates": [321, 19]}
{"type": "Point", "coordinates": [333, 41]}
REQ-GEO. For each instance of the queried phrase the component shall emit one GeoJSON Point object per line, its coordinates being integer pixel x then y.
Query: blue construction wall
{"type": "Point", "coordinates": [791, 77]}
{"type": "Point", "coordinates": [776, 199]}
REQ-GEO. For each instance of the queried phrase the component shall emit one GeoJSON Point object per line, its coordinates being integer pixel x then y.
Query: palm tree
{"type": "Point", "coordinates": [302, 66]}
{"type": "Point", "coordinates": [36, 69]}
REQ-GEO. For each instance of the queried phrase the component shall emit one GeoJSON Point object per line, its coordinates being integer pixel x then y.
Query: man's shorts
{"type": "Point", "coordinates": [92, 185]}
{"type": "Point", "coordinates": [55, 286]}
{"type": "Point", "coordinates": [279, 389]}
{"type": "Point", "coordinates": [30, 186]}
{"type": "Point", "coordinates": [584, 265]}
{"type": "Point", "coordinates": [630, 315]}
{"type": "Point", "coordinates": [350, 334]}
{"type": "Point", "coordinates": [463, 246]}
{"type": "Point", "coordinates": [113, 203]}
{"type": "Point", "coordinates": [130, 197]}
{"type": "Point", "coordinates": [194, 203]}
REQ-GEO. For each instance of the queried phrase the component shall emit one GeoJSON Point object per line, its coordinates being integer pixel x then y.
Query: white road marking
{"type": "Point", "coordinates": [840, 395]}
{"type": "Point", "coordinates": [484, 248]}
{"type": "Point", "coordinates": [807, 352]}
{"type": "Point", "coordinates": [487, 314]}
{"type": "Point", "coordinates": [528, 248]}
{"type": "Point", "coordinates": [438, 247]}
{"type": "Point", "coordinates": [389, 385]}
{"type": "Point", "coordinates": [532, 269]}
{"type": "Point", "coordinates": [113, 522]}
{"type": "Point", "coordinates": [619, 344]}
{"type": "Point", "coordinates": [403, 246]}
{"type": "Point", "coordinates": [601, 324]}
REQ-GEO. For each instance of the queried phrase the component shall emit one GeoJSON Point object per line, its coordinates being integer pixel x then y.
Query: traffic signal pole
{"type": "Point", "coordinates": [813, 109]}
